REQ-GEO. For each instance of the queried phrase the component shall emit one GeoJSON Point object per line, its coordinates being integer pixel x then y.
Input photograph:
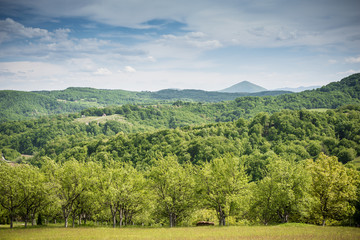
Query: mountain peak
{"type": "Point", "coordinates": [244, 86]}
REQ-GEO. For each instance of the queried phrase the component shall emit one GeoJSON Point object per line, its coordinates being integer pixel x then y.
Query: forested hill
{"type": "Point", "coordinates": [16, 105]}
{"type": "Point", "coordinates": [21, 105]}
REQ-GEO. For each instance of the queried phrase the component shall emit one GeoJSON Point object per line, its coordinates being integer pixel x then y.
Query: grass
{"type": "Point", "coordinates": [101, 119]}
{"type": "Point", "coordinates": [286, 231]}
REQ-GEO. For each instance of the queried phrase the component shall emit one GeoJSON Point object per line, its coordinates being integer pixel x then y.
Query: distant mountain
{"type": "Point", "coordinates": [244, 86]}
{"type": "Point", "coordinates": [298, 89]}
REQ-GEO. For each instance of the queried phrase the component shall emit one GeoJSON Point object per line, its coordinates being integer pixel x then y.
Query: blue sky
{"type": "Point", "coordinates": [151, 45]}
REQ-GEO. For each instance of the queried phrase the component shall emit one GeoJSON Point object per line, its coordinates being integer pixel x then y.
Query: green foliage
{"type": "Point", "coordinates": [333, 189]}
{"type": "Point", "coordinates": [19, 105]}
{"type": "Point", "coordinates": [281, 195]}
{"type": "Point", "coordinates": [224, 186]}
{"type": "Point", "coordinates": [153, 164]}
{"type": "Point", "coordinates": [174, 188]}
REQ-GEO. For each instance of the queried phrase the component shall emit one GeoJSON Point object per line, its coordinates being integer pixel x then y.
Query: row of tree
{"type": "Point", "coordinates": [321, 191]}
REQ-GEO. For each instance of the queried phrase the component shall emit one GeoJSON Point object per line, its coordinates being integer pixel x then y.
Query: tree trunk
{"type": "Point", "coordinates": [323, 222]}
{"type": "Point", "coordinates": [170, 219]}
{"type": "Point", "coordinates": [221, 215]}
{"type": "Point", "coordinates": [114, 220]}
{"type": "Point", "coordinates": [11, 221]}
{"type": "Point", "coordinates": [66, 216]}
{"type": "Point", "coordinates": [26, 221]}
{"type": "Point", "coordinates": [121, 217]}
{"type": "Point", "coordinates": [73, 220]}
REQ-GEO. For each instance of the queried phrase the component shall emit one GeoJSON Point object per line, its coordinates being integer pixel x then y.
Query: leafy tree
{"type": "Point", "coordinates": [224, 186]}
{"type": "Point", "coordinates": [13, 191]}
{"type": "Point", "coordinates": [73, 181]}
{"type": "Point", "coordinates": [37, 193]}
{"type": "Point", "coordinates": [333, 188]}
{"type": "Point", "coordinates": [174, 188]}
{"type": "Point", "coordinates": [281, 193]}
{"type": "Point", "coordinates": [123, 190]}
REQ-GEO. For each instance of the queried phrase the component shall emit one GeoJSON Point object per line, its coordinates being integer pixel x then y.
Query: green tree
{"type": "Point", "coordinates": [12, 189]}
{"type": "Point", "coordinates": [123, 190]}
{"type": "Point", "coordinates": [333, 189]}
{"type": "Point", "coordinates": [174, 188]}
{"type": "Point", "coordinates": [281, 193]}
{"type": "Point", "coordinates": [37, 193]}
{"type": "Point", "coordinates": [224, 186]}
{"type": "Point", "coordinates": [72, 182]}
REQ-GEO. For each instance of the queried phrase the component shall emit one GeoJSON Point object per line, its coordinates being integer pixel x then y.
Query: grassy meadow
{"type": "Point", "coordinates": [286, 231]}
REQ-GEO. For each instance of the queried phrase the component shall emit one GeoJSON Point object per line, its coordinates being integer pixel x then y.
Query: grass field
{"type": "Point", "coordinates": [287, 231]}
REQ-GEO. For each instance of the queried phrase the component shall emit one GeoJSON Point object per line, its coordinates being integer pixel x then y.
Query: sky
{"type": "Point", "coordinates": [143, 45]}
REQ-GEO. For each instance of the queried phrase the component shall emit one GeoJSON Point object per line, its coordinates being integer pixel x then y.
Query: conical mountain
{"type": "Point", "coordinates": [244, 86]}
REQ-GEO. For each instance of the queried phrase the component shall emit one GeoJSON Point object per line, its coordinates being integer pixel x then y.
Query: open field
{"type": "Point", "coordinates": [287, 231]}
{"type": "Point", "coordinates": [101, 119]}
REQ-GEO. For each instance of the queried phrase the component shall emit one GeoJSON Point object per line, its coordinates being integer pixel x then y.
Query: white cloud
{"type": "Point", "coordinates": [353, 59]}
{"type": "Point", "coordinates": [103, 71]}
{"type": "Point", "coordinates": [191, 39]}
{"type": "Point", "coordinates": [9, 30]}
{"type": "Point", "coordinates": [129, 69]}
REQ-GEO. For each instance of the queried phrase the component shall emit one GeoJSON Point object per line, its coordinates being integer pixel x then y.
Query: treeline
{"type": "Point", "coordinates": [23, 105]}
{"type": "Point", "coordinates": [323, 192]}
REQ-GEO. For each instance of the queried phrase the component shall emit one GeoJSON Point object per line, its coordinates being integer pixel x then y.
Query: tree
{"type": "Point", "coordinates": [224, 185]}
{"type": "Point", "coordinates": [124, 191]}
{"type": "Point", "coordinates": [281, 193]}
{"type": "Point", "coordinates": [333, 188]}
{"type": "Point", "coordinates": [37, 193]}
{"type": "Point", "coordinates": [174, 188]}
{"type": "Point", "coordinates": [72, 182]}
{"type": "Point", "coordinates": [12, 189]}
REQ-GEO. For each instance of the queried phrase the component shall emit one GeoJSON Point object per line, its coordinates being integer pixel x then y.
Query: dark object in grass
{"type": "Point", "coordinates": [204, 223]}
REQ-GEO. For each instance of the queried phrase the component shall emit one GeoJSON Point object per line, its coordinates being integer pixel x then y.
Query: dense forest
{"type": "Point", "coordinates": [16, 105]}
{"type": "Point", "coordinates": [254, 160]}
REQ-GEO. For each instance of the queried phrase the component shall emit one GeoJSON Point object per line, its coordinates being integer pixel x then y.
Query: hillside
{"type": "Point", "coordinates": [16, 105]}
{"type": "Point", "coordinates": [19, 105]}
{"type": "Point", "coordinates": [22, 105]}
{"type": "Point", "coordinates": [148, 118]}
{"type": "Point", "coordinates": [244, 87]}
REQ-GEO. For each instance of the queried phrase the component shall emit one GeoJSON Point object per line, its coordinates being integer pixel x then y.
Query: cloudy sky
{"type": "Point", "coordinates": [151, 45]}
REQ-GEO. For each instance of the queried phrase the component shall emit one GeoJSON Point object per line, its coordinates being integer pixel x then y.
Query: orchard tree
{"type": "Point", "coordinates": [174, 188]}
{"type": "Point", "coordinates": [37, 193]}
{"type": "Point", "coordinates": [72, 179]}
{"type": "Point", "coordinates": [281, 193]}
{"type": "Point", "coordinates": [13, 192]}
{"type": "Point", "coordinates": [333, 189]}
{"type": "Point", "coordinates": [224, 186]}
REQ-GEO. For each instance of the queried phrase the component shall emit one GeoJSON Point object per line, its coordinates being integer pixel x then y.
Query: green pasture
{"type": "Point", "coordinates": [286, 231]}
